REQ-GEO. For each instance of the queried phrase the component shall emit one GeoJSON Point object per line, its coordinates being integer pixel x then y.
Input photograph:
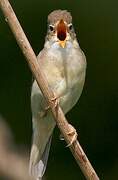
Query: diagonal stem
{"type": "Point", "coordinates": [61, 121]}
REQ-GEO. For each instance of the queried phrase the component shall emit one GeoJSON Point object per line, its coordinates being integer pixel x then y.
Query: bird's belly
{"type": "Point", "coordinates": [72, 95]}
{"type": "Point", "coordinates": [68, 101]}
{"type": "Point", "coordinates": [65, 76]}
{"type": "Point", "coordinates": [67, 87]}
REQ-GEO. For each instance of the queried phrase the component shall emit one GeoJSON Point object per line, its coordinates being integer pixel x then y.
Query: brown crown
{"type": "Point", "coordinates": [57, 15]}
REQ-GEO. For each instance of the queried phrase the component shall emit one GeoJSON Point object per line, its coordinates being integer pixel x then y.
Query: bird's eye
{"type": "Point", "coordinates": [51, 27]}
{"type": "Point", "coordinates": [70, 26]}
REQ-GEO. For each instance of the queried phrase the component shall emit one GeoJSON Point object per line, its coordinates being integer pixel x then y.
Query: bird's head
{"type": "Point", "coordinates": [60, 28]}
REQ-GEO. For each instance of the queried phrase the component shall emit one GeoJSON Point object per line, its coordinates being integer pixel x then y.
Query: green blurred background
{"type": "Point", "coordinates": [96, 115]}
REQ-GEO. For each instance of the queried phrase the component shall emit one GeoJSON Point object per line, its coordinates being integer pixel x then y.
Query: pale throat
{"type": "Point", "coordinates": [54, 45]}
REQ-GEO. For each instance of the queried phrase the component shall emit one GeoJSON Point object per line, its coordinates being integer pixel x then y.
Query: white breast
{"type": "Point", "coordinates": [65, 70]}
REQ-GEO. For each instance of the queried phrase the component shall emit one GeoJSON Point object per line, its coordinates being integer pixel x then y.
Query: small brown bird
{"type": "Point", "coordinates": [64, 65]}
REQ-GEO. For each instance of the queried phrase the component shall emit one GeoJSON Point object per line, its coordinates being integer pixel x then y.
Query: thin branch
{"type": "Point", "coordinates": [61, 121]}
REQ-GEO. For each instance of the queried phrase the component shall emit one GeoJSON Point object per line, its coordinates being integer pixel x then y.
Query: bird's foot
{"type": "Point", "coordinates": [73, 134]}
{"type": "Point", "coordinates": [56, 103]}
{"type": "Point", "coordinates": [55, 99]}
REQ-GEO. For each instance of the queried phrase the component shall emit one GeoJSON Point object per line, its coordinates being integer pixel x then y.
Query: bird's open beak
{"type": "Point", "coordinates": [62, 44]}
{"type": "Point", "coordinates": [62, 33]}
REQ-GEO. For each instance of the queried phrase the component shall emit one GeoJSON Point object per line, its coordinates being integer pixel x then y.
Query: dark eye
{"type": "Point", "coordinates": [70, 26]}
{"type": "Point", "coordinates": [51, 27]}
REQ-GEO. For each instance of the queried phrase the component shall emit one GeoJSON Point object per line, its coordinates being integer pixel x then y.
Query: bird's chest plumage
{"type": "Point", "coordinates": [62, 65]}
{"type": "Point", "coordinates": [64, 69]}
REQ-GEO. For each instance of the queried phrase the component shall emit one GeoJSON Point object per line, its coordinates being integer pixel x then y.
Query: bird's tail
{"type": "Point", "coordinates": [42, 136]}
{"type": "Point", "coordinates": [37, 170]}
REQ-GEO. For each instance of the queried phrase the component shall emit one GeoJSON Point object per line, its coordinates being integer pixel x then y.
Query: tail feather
{"type": "Point", "coordinates": [39, 168]}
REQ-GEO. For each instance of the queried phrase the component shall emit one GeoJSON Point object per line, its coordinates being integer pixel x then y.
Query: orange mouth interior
{"type": "Point", "coordinates": [61, 30]}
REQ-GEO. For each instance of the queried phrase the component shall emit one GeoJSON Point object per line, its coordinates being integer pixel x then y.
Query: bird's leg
{"type": "Point", "coordinates": [71, 130]}
{"type": "Point", "coordinates": [73, 134]}
{"type": "Point", "coordinates": [55, 99]}
{"type": "Point", "coordinates": [43, 113]}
